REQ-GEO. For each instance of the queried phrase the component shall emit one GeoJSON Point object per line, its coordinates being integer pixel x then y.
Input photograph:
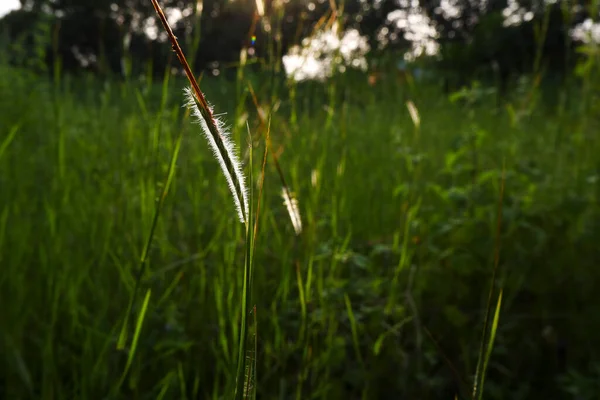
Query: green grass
{"type": "Point", "coordinates": [383, 294]}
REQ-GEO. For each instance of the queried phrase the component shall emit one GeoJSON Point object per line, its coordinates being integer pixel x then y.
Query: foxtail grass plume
{"type": "Point", "coordinates": [291, 204]}
{"type": "Point", "coordinates": [260, 8]}
{"type": "Point", "coordinates": [223, 150]}
{"type": "Point", "coordinates": [212, 127]}
{"type": "Point", "coordinates": [314, 177]}
{"type": "Point", "coordinates": [414, 113]}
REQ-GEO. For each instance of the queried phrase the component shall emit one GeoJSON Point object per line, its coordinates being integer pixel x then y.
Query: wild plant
{"type": "Point", "coordinates": [219, 141]}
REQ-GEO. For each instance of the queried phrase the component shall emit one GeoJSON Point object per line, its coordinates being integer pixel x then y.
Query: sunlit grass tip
{"type": "Point", "coordinates": [224, 150]}
{"type": "Point", "coordinates": [291, 204]}
{"type": "Point", "coordinates": [414, 113]}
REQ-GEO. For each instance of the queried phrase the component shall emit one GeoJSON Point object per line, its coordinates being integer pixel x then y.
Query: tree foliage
{"type": "Point", "coordinates": [117, 37]}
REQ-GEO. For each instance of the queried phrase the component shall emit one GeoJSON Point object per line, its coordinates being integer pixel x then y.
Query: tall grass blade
{"type": "Point", "coordinates": [483, 362]}
{"type": "Point", "coordinates": [250, 386]}
{"type": "Point", "coordinates": [3, 224]}
{"type": "Point", "coordinates": [354, 329]}
{"type": "Point", "coordinates": [246, 295]}
{"type": "Point", "coordinates": [289, 200]}
{"type": "Point", "coordinates": [489, 334]}
{"type": "Point", "coordinates": [493, 330]}
{"type": "Point", "coordinates": [21, 367]}
{"type": "Point", "coordinates": [261, 184]}
{"type": "Point", "coordinates": [144, 259]}
{"type": "Point", "coordinates": [165, 384]}
{"type": "Point", "coordinates": [8, 139]}
{"type": "Point", "coordinates": [255, 378]}
{"type": "Point", "coordinates": [136, 337]}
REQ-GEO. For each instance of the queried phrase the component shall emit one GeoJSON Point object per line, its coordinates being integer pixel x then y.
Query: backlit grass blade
{"type": "Point", "coordinates": [489, 334]}
{"type": "Point", "coordinates": [492, 337]}
{"type": "Point", "coordinates": [8, 139]}
{"type": "Point", "coordinates": [354, 329]}
{"type": "Point", "coordinates": [136, 337]}
{"type": "Point", "coordinates": [483, 362]}
{"type": "Point", "coordinates": [250, 385]}
{"type": "Point", "coordinates": [253, 394]}
{"type": "Point", "coordinates": [289, 199]}
{"type": "Point", "coordinates": [246, 295]}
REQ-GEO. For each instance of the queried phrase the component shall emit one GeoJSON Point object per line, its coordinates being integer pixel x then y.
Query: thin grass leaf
{"type": "Point", "coordinates": [493, 330]}
{"type": "Point", "coordinates": [136, 337]}
{"type": "Point", "coordinates": [164, 385]}
{"type": "Point", "coordinates": [181, 378]}
{"type": "Point", "coordinates": [246, 296]}
{"type": "Point", "coordinates": [483, 362]}
{"type": "Point", "coordinates": [144, 259]}
{"type": "Point", "coordinates": [460, 383]}
{"type": "Point", "coordinates": [3, 224]}
{"type": "Point", "coordinates": [250, 384]}
{"type": "Point", "coordinates": [489, 334]}
{"type": "Point", "coordinates": [289, 200]}
{"type": "Point", "coordinates": [21, 366]}
{"type": "Point", "coordinates": [302, 301]}
{"type": "Point", "coordinates": [8, 139]}
{"type": "Point", "coordinates": [262, 181]}
{"type": "Point", "coordinates": [354, 329]}
{"type": "Point", "coordinates": [253, 396]}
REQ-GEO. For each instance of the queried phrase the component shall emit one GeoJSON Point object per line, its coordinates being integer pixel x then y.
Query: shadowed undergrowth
{"type": "Point", "coordinates": [383, 293]}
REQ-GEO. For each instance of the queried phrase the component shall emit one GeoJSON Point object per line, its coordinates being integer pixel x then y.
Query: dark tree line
{"type": "Point", "coordinates": [110, 37]}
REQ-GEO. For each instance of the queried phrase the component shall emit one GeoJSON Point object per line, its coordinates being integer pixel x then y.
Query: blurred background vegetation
{"type": "Point", "coordinates": [399, 125]}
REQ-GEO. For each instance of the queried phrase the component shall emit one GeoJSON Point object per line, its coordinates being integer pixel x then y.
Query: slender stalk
{"type": "Point", "coordinates": [224, 152]}
{"type": "Point", "coordinates": [290, 201]}
{"type": "Point", "coordinates": [489, 333]}
{"type": "Point", "coordinates": [212, 127]}
{"type": "Point", "coordinates": [240, 391]}
{"type": "Point", "coordinates": [143, 264]}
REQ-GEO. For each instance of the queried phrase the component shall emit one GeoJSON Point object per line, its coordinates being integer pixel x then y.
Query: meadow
{"type": "Point", "coordinates": [383, 292]}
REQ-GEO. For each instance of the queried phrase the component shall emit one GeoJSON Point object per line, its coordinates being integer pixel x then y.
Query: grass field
{"type": "Point", "coordinates": [381, 296]}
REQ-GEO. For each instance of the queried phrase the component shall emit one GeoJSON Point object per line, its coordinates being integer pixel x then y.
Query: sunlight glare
{"type": "Point", "coordinates": [321, 55]}
{"type": "Point", "coordinates": [7, 6]}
